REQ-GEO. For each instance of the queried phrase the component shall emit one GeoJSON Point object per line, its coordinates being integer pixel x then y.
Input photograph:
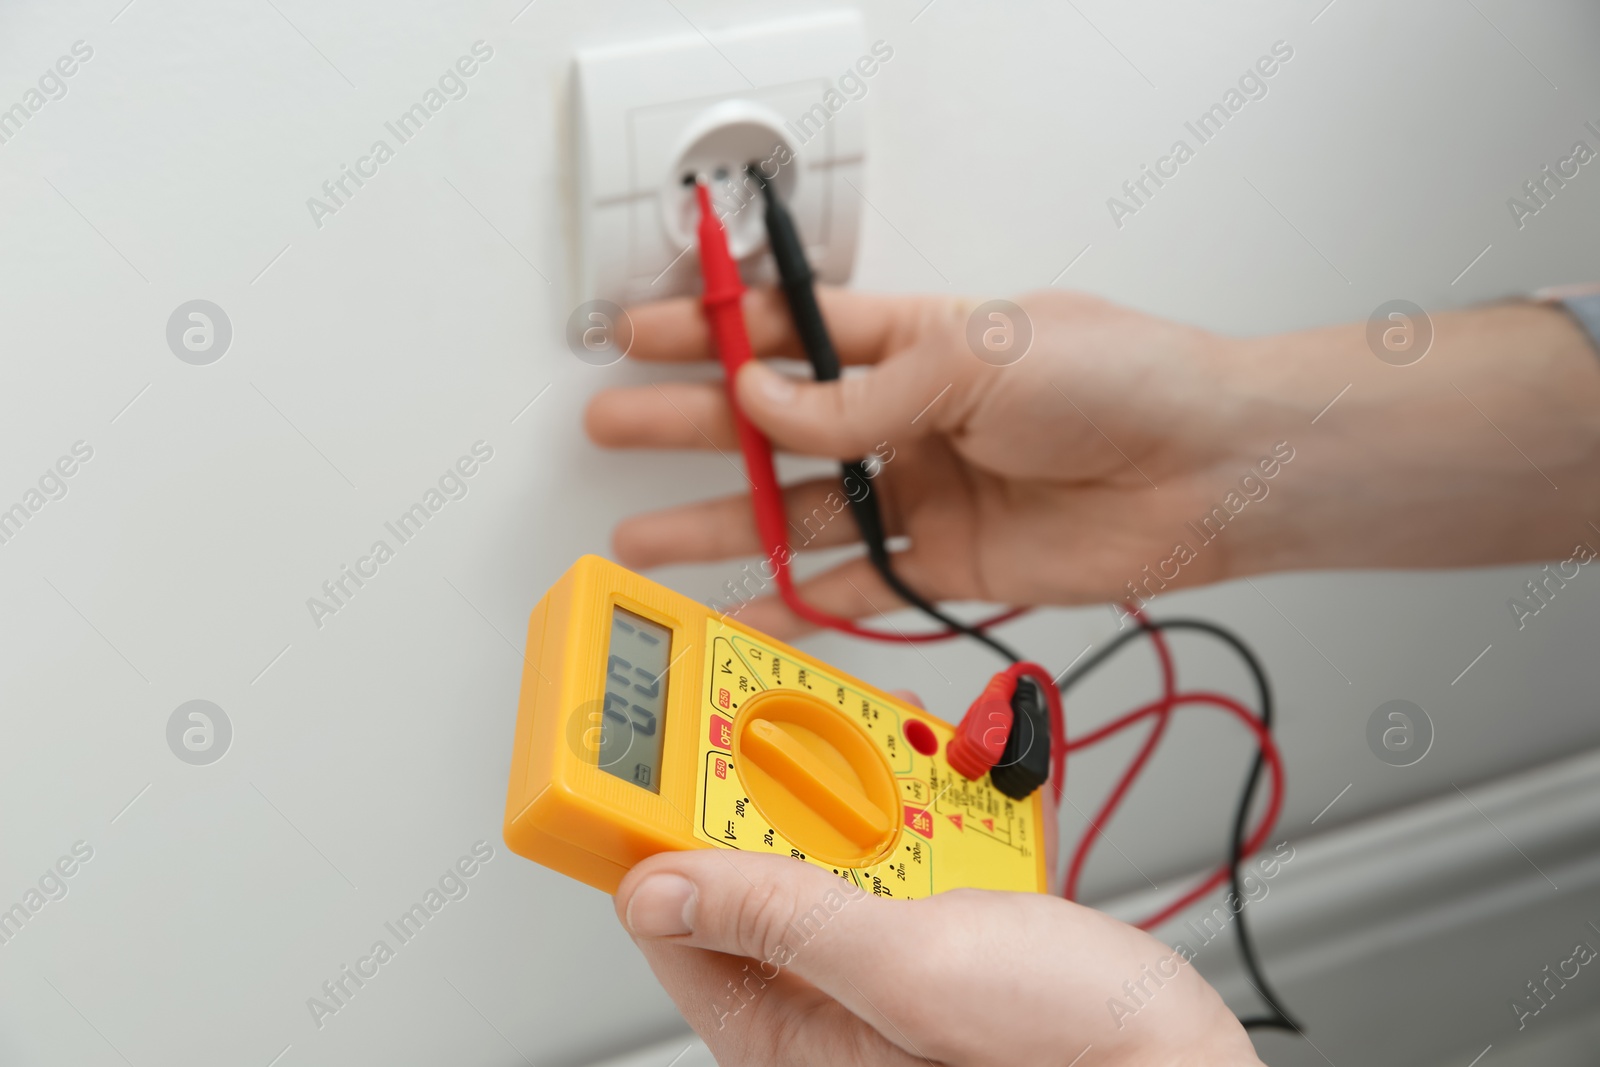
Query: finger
{"type": "Point", "coordinates": [863, 326]}
{"type": "Point", "coordinates": [909, 697]}
{"type": "Point", "coordinates": [783, 913]}
{"type": "Point", "coordinates": [665, 415]}
{"type": "Point", "coordinates": [818, 512]}
{"type": "Point", "coordinates": [913, 393]}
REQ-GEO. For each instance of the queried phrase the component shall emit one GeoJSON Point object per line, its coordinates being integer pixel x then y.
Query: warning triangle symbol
{"type": "Point", "coordinates": [990, 824]}
{"type": "Point", "coordinates": [957, 820]}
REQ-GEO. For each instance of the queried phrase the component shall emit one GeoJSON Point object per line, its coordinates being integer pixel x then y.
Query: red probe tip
{"type": "Point", "coordinates": [723, 286]}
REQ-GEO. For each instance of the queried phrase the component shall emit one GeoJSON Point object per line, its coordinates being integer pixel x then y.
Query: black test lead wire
{"type": "Point", "coordinates": [1277, 1017]}
{"type": "Point", "coordinates": [796, 280]}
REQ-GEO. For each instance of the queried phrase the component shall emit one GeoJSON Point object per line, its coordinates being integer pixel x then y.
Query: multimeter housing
{"type": "Point", "coordinates": [727, 738]}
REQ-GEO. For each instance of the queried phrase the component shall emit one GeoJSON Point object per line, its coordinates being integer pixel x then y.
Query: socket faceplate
{"type": "Point", "coordinates": [646, 112]}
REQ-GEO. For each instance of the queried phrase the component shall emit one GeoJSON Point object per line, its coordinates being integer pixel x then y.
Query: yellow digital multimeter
{"type": "Point", "coordinates": [649, 722]}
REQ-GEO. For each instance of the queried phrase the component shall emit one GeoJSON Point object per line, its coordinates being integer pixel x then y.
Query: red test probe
{"type": "Point", "coordinates": [730, 338]}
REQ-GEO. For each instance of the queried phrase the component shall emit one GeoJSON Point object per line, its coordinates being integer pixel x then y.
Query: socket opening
{"type": "Point", "coordinates": [717, 147]}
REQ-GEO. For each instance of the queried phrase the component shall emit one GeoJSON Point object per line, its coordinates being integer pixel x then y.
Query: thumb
{"type": "Point", "coordinates": [896, 400]}
{"type": "Point", "coordinates": [786, 915]}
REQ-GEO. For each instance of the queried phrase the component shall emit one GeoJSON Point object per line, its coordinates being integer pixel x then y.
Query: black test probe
{"type": "Point", "coordinates": [796, 280]}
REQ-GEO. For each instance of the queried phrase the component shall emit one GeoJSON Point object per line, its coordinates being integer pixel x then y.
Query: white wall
{"type": "Point", "coordinates": [371, 352]}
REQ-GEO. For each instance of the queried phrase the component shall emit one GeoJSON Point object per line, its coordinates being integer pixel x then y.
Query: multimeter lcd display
{"type": "Point", "coordinates": [631, 732]}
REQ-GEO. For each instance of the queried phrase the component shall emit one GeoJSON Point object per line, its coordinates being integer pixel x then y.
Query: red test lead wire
{"type": "Point", "coordinates": [725, 317]}
{"type": "Point", "coordinates": [1161, 711]}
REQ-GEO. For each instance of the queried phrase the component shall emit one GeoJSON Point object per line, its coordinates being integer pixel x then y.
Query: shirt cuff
{"type": "Point", "coordinates": [1582, 302]}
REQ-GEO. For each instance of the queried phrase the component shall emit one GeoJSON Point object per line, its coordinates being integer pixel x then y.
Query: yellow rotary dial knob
{"type": "Point", "coordinates": [817, 778]}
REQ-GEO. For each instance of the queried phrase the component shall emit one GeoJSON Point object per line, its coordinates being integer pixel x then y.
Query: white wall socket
{"type": "Point", "coordinates": [649, 112]}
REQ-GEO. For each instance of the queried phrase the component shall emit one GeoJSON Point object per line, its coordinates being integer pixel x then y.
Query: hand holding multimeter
{"type": "Point", "coordinates": [779, 963]}
{"type": "Point", "coordinates": [684, 761]}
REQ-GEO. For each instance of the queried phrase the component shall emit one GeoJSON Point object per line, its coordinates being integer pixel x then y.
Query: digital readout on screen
{"type": "Point", "coordinates": [636, 699]}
